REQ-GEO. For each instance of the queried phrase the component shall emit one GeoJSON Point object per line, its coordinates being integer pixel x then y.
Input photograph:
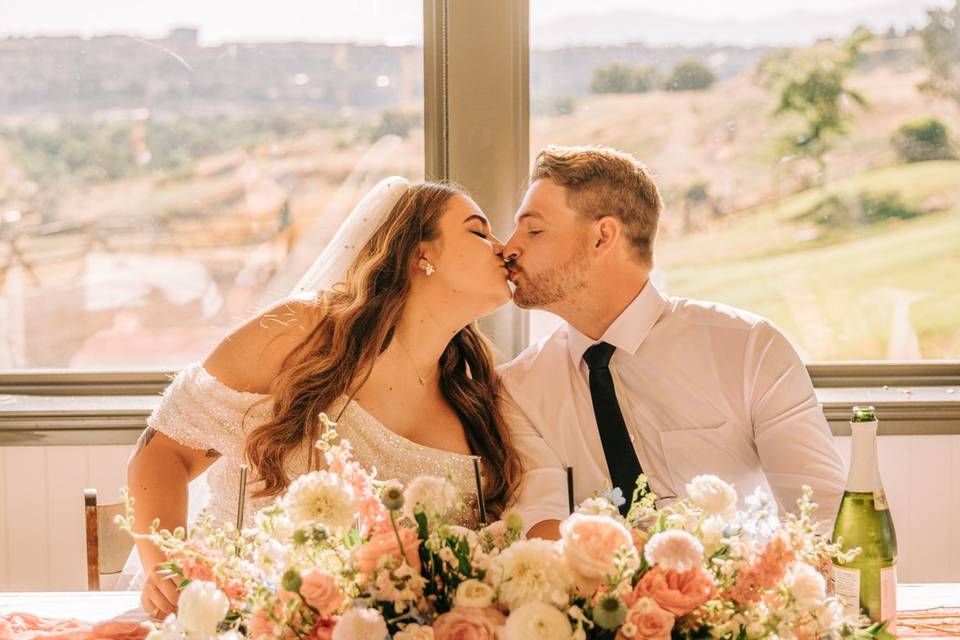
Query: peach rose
{"type": "Point", "coordinates": [678, 593]}
{"type": "Point", "coordinates": [320, 591]}
{"type": "Point", "coordinates": [590, 543]}
{"type": "Point", "coordinates": [468, 623]}
{"type": "Point", "coordinates": [385, 544]}
{"type": "Point", "coordinates": [646, 621]}
{"type": "Point", "coordinates": [261, 626]}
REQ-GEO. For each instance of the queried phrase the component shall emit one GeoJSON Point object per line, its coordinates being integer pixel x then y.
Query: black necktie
{"type": "Point", "coordinates": [617, 448]}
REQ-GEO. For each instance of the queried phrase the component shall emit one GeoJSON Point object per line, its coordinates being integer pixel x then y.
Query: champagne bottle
{"type": "Point", "coordinates": [867, 584]}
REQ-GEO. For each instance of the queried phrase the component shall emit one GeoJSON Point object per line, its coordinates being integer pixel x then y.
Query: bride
{"type": "Point", "coordinates": [380, 337]}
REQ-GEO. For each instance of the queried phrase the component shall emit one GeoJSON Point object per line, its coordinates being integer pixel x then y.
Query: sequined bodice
{"type": "Point", "coordinates": [200, 412]}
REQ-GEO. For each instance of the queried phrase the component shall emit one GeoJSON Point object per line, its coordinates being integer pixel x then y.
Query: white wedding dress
{"type": "Point", "coordinates": [201, 412]}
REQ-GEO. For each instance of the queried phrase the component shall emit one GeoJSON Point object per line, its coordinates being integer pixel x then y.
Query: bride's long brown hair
{"type": "Point", "coordinates": [353, 325]}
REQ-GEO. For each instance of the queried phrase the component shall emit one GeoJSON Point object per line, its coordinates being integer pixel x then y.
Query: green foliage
{"type": "Point", "coordinates": [813, 85]}
{"type": "Point", "coordinates": [621, 78]}
{"type": "Point", "coordinates": [689, 75]}
{"type": "Point", "coordinates": [866, 208]}
{"type": "Point", "coordinates": [941, 47]}
{"type": "Point", "coordinates": [921, 140]}
{"type": "Point", "coordinates": [90, 152]}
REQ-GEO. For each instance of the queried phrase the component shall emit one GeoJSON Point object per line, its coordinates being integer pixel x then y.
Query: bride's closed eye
{"type": "Point", "coordinates": [479, 233]}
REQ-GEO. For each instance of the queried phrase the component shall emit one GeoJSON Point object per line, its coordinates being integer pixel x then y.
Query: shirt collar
{"type": "Point", "coordinates": [630, 328]}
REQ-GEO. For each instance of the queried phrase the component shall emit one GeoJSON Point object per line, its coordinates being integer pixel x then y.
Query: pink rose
{"type": "Point", "coordinates": [468, 623]}
{"type": "Point", "coordinates": [385, 544]}
{"type": "Point", "coordinates": [261, 625]}
{"type": "Point", "coordinates": [678, 593]}
{"type": "Point", "coordinates": [323, 629]}
{"type": "Point", "coordinates": [646, 621]}
{"type": "Point", "coordinates": [590, 543]}
{"type": "Point", "coordinates": [320, 591]}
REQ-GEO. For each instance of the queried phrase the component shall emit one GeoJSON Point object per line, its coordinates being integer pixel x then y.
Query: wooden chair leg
{"type": "Point", "coordinates": [93, 539]}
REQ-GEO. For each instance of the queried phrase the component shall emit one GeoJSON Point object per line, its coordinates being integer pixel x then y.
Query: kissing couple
{"type": "Point", "coordinates": [380, 334]}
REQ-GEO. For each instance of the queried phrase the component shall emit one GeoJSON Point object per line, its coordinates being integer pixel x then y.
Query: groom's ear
{"type": "Point", "coordinates": [607, 231]}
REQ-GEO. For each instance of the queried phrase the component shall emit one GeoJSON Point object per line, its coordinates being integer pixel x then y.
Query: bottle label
{"type": "Point", "coordinates": [888, 597]}
{"type": "Point", "coordinates": [880, 500]}
{"type": "Point", "coordinates": [846, 583]}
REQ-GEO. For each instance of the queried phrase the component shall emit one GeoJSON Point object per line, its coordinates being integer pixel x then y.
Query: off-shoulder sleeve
{"type": "Point", "coordinates": [200, 412]}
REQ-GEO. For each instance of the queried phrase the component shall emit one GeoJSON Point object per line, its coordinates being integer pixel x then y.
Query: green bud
{"type": "Point", "coordinates": [292, 580]}
{"type": "Point", "coordinates": [610, 611]}
{"type": "Point", "coordinates": [300, 536]}
{"type": "Point", "coordinates": [514, 521]}
{"type": "Point", "coordinates": [392, 496]}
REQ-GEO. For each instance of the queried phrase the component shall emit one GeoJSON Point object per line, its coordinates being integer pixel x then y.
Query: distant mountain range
{"type": "Point", "coordinates": [662, 29]}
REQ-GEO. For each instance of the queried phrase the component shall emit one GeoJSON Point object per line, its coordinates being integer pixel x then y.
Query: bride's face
{"type": "Point", "coordinates": [469, 269]}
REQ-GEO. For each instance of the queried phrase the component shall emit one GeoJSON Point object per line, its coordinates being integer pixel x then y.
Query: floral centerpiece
{"type": "Point", "coordinates": [345, 556]}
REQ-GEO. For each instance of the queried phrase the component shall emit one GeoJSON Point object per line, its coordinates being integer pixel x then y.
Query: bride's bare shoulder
{"type": "Point", "coordinates": [251, 356]}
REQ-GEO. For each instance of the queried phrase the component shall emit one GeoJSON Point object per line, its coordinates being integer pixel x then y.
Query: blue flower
{"type": "Point", "coordinates": [615, 496]}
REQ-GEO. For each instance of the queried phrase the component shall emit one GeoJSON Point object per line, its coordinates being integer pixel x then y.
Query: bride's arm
{"type": "Point", "coordinates": [161, 467]}
{"type": "Point", "coordinates": [157, 475]}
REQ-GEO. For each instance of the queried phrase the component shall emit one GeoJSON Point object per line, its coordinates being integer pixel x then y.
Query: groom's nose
{"type": "Point", "coordinates": [511, 250]}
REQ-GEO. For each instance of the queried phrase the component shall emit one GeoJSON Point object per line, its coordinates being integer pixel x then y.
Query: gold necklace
{"type": "Point", "coordinates": [413, 364]}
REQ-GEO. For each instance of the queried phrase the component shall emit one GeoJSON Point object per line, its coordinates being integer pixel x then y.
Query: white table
{"type": "Point", "coordinates": [104, 605]}
{"type": "Point", "coordinates": [89, 606]}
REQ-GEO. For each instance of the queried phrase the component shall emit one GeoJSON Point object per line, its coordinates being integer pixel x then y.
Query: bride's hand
{"type": "Point", "coordinates": [159, 597]}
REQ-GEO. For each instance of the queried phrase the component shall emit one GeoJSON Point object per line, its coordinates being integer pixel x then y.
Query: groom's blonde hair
{"type": "Point", "coordinates": [601, 181]}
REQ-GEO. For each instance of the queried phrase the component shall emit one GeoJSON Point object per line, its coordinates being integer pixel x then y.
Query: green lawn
{"type": "Point", "coordinates": [839, 296]}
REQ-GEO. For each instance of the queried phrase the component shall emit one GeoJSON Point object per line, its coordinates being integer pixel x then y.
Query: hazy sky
{"type": "Point", "coordinates": [391, 21]}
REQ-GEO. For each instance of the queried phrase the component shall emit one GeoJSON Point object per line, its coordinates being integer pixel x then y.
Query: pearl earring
{"type": "Point", "coordinates": [429, 269]}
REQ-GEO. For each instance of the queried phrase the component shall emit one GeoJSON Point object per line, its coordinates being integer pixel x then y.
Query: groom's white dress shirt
{"type": "Point", "coordinates": [703, 388]}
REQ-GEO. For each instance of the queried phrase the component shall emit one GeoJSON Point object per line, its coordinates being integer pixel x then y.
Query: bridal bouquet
{"type": "Point", "coordinates": [344, 556]}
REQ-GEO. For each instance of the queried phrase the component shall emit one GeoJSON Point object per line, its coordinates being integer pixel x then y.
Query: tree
{"type": "Point", "coordinates": [921, 140]}
{"type": "Point", "coordinates": [941, 47]}
{"type": "Point", "coordinates": [689, 75]}
{"type": "Point", "coordinates": [813, 86]}
{"type": "Point", "coordinates": [621, 78]}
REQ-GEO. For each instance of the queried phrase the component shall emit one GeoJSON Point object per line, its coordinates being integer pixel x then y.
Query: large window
{"type": "Point", "coordinates": [166, 170]}
{"type": "Point", "coordinates": [807, 153]}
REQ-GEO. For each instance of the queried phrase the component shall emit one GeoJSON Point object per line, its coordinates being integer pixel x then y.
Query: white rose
{"type": "Point", "coordinates": [531, 571]}
{"type": "Point", "coordinates": [201, 608]}
{"type": "Point", "coordinates": [712, 494]}
{"type": "Point", "coordinates": [360, 624]}
{"type": "Point", "coordinates": [434, 496]}
{"type": "Point", "coordinates": [414, 632]}
{"type": "Point", "coordinates": [674, 549]}
{"type": "Point", "coordinates": [473, 593]}
{"type": "Point", "coordinates": [711, 534]}
{"type": "Point", "coordinates": [537, 621]}
{"type": "Point", "coordinates": [807, 585]}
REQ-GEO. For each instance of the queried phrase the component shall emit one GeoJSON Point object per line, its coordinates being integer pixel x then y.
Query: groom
{"type": "Point", "coordinates": [635, 380]}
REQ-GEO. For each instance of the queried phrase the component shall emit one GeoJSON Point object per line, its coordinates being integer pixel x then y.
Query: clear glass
{"type": "Point", "coordinates": [166, 172]}
{"type": "Point", "coordinates": [847, 242]}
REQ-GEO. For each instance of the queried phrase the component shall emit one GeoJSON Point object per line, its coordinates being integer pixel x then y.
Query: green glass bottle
{"type": "Point", "coordinates": [867, 584]}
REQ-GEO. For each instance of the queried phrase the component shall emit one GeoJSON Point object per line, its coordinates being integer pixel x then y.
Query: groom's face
{"type": "Point", "coordinates": [547, 254]}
